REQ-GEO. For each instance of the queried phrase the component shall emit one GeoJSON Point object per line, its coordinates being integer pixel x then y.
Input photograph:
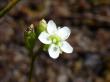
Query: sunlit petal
{"type": "Point", "coordinates": [64, 33]}
{"type": "Point", "coordinates": [66, 47]}
{"type": "Point", "coordinates": [54, 51]}
{"type": "Point", "coordinates": [43, 37]}
{"type": "Point", "coordinates": [51, 27]}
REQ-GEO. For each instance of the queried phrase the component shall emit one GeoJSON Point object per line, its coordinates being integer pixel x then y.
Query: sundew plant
{"type": "Point", "coordinates": [52, 38]}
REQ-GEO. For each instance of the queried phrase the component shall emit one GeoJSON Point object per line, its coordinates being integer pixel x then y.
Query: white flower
{"type": "Point", "coordinates": [56, 39]}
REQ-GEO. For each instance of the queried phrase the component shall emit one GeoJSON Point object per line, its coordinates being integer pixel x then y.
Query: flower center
{"type": "Point", "coordinates": [55, 39]}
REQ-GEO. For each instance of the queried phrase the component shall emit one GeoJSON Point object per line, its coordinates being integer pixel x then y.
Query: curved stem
{"type": "Point", "coordinates": [8, 7]}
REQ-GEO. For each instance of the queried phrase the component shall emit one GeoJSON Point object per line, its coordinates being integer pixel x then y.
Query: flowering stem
{"type": "Point", "coordinates": [33, 58]}
{"type": "Point", "coordinates": [8, 7]}
{"type": "Point", "coordinates": [31, 66]}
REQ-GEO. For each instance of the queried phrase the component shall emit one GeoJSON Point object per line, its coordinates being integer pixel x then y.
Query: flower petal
{"type": "Point", "coordinates": [54, 51]}
{"type": "Point", "coordinates": [51, 27]}
{"type": "Point", "coordinates": [43, 37]}
{"type": "Point", "coordinates": [64, 33]}
{"type": "Point", "coordinates": [66, 47]}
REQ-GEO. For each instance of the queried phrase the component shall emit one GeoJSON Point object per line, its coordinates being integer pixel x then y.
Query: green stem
{"type": "Point", "coordinates": [33, 58]}
{"type": "Point", "coordinates": [31, 67]}
{"type": "Point", "coordinates": [8, 7]}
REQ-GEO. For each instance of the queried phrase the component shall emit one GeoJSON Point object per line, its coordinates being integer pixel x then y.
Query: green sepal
{"type": "Point", "coordinates": [45, 47]}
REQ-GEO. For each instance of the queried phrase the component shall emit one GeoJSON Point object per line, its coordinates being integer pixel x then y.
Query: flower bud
{"type": "Point", "coordinates": [41, 27]}
{"type": "Point", "coordinates": [30, 37]}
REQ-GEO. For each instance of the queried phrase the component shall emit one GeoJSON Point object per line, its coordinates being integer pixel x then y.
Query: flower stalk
{"type": "Point", "coordinates": [31, 66]}
{"type": "Point", "coordinates": [33, 58]}
{"type": "Point", "coordinates": [30, 41]}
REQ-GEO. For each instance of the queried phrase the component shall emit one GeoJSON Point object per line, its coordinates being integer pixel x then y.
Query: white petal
{"type": "Point", "coordinates": [66, 47]}
{"type": "Point", "coordinates": [54, 51]}
{"type": "Point", "coordinates": [43, 37]}
{"type": "Point", "coordinates": [51, 27]}
{"type": "Point", "coordinates": [59, 28]}
{"type": "Point", "coordinates": [64, 33]}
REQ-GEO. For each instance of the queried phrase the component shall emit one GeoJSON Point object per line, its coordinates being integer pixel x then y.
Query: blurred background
{"type": "Point", "coordinates": [89, 21]}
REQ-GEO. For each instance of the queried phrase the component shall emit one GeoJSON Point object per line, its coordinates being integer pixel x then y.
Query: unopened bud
{"type": "Point", "coordinates": [41, 27]}
{"type": "Point", "coordinates": [30, 37]}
